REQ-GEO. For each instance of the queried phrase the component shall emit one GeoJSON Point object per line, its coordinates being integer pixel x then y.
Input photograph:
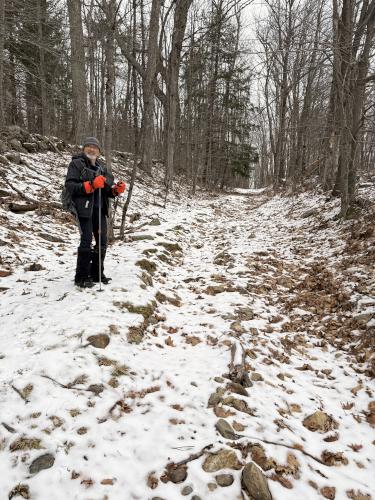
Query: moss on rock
{"type": "Point", "coordinates": [25, 443]}
{"type": "Point", "coordinates": [171, 247]}
{"type": "Point", "coordinates": [146, 310]}
{"type": "Point", "coordinates": [136, 333]}
{"type": "Point", "coordinates": [147, 265]}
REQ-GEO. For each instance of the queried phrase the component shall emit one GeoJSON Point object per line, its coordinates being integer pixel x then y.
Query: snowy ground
{"type": "Point", "coordinates": [288, 292]}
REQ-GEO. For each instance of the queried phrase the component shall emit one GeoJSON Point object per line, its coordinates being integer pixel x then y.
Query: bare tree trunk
{"type": "Point", "coordinates": [353, 34]}
{"type": "Point", "coordinates": [148, 87]}
{"type": "Point", "coordinates": [357, 101]}
{"type": "Point", "coordinates": [79, 89]}
{"type": "Point", "coordinates": [135, 123]}
{"type": "Point", "coordinates": [217, 11]}
{"type": "Point", "coordinates": [279, 164]}
{"type": "Point", "coordinates": [226, 106]}
{"type": "Point", "coordinates": [110, 10]}
{"type": "Point", "coordinates": [92, 91]}
{"type": "Point", "coordinates": [180, 19]}
{"type": "Point", "coordinates": [2, 40]}
{"type": "Point", "coordinates": [41, 13]}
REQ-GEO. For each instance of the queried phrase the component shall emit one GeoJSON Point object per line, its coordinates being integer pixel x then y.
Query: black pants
{"type": "Point", "coordinates": [90, 226]}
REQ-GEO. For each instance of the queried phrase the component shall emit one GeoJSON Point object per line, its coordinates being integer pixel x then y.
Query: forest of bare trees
{"type": "Point", "coordinates": [278, 102]}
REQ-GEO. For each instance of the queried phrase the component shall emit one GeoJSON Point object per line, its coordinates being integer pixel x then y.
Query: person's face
{"type": "Point", "coordinates": [91, 151]}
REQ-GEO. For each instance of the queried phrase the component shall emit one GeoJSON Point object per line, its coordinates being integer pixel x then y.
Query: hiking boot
{"type": "Point", "coordinates": [82, 276]}
{"type": "Point", "coordinates": [95, 266]}
{"type": "Point", "coordinates": [84, 283]}
{"type": "Point", "coordinates": [105, 280]}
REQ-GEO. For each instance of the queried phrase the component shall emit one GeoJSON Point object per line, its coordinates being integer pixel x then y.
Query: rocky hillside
{"type": "Point", "coordinates": [230, 358]}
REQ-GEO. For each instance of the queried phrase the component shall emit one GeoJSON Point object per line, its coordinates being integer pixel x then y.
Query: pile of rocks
{"type": "Point", "coordinates": [15, 140]}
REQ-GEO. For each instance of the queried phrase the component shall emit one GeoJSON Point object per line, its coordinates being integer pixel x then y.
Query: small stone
{"type": "Point", "coordinates": [215, 289]}
{"type": "Point", "coordinates": [223, 258]}
{"type": "Point", "coordinates": [141, 237]}
{"type": "Point", "coordinates": [35, 267]}
{"type": "Point", "coordinates": [237, 426]}
{"type": "Point", "coordinates": [256, 377]}
{"type": "Point", "coordinates": [177, 475]}
{"type": "Point", "coordinates": [155, 222]}
{"type": "Point", "coordinates": [212, 486]}
{"type": "Point", "coordinates": [225, 429]}
{"type": "Point", "coordinates": [51, 237]}
{"type": "Point", "coordinates": [96, 388]}
{"type": "Point", "coordinates": [224, 479]}
{"type": "Point", "coordinates": [134, 217]}
{"type": "Point", "coordinates": [244, 314]}
{"type": "Point", "coordinates": [186, 491]}
{"type": "Point", "coordinates": [237, 389]}
{"type": "Point", "coordinates": [309, 213]}
{"type": "Point", "coordinates": [4, 273]}
{"type": "Point", "coordinates": [195, 497]}
{"type": "Point", "coordinates": [222, 459]}
{"type": "Point", "coordinates": [100, 341]}
{"type": "Point", "coordinates": [57, 421]}
{"type": "Point", "coordinates": [255, 483]}
{"type": "Point", "coordinates": [328, 492]}
{"type": "Point", "coordinates": [364, 316]}
{"type": "Point", "coordinates": [319, 421]}
{"type": "Point", "coordinates": [214, 400]}
{"type": "Point", "coordinates": [239, 405]}
{"type": "Point", "coordinates": [108, 481]}
{"type": "Point", "coordinates": [219, 380]}
{"type": "Point", "coordinates": [370, 415]}
{"type": "Point", "coordinates": [251, 354]}
{"type": "Point", "coordinates": [237, 327]}
{"type": "Point", "coordinates": [45, 461]}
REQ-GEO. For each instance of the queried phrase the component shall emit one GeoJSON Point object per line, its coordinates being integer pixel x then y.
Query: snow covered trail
{"type": "Point", "coordinates": [109, 388]}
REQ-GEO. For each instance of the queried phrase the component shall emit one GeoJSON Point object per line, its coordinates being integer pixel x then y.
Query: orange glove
{"type": "Point", "coordinates": [119, 188]}
{"type": "Point", "coordinates": [88, 187]}
{"type": "Point", "coordinates": [98, 182]}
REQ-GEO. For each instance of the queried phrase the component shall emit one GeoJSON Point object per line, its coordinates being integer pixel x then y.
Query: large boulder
{"type": "Point", "coordinates": [42, 146]}
{"type": "Point", "coordinates": [3, 146]}
{"type": "Point", "coordinates": [17, 145]}
{"type": "Point", "coordinates": [31, 147]}
{"type": "Point", "coordinates": [4, 160]}
{"type": "Point", "coordinates": [13, 157]}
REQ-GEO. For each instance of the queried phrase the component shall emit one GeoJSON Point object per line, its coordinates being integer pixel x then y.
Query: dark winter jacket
{"type": "Point", "coordinates": [79, 171]}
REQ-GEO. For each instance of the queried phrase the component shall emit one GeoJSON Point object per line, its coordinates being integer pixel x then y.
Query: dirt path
{"type": "Point", "coordinates": [237, 334]}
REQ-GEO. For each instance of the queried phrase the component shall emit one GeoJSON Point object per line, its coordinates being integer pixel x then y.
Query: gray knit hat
{"type": "Point", "coordinates": [91, 140]}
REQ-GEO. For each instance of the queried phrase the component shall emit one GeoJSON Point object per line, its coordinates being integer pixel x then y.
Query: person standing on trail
{"type": "Point", "coordinates": [87, 175]}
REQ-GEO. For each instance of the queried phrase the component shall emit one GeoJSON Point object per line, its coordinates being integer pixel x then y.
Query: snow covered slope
{"type": "Point", "coordinates": [237, 330]}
